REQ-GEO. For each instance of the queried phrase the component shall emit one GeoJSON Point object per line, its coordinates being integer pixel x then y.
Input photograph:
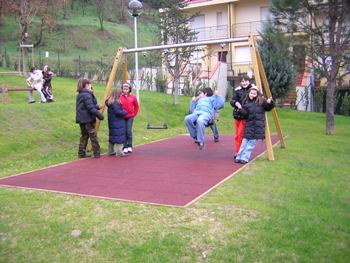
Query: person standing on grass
{"type": "Point", "coordinates": [87, 110]}
{"type": "Point", "coordinates": [253, 109]}
{"type": "Point", "coordinates": [130, 104]}
{"type": "Point", "coordinates": [47, 87]}
{"type": "Point", "coordinates": [116, 124]}
{"type": "Point", "coordinates": [35, 81]}
{"type": "Point", "coordinates": [202, 110]}
{"type": "Point", "coordinates": [239, 122]}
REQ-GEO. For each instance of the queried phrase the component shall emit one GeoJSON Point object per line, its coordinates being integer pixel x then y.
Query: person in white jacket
{"type": "Point", "coordinates": [35, 81]}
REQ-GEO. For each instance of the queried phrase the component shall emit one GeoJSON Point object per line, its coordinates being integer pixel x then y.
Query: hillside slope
{"type": "Point", "coordinates": [78, 38]}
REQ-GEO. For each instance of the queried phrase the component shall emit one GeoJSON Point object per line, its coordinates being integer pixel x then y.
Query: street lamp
{"type": "Point", "coordinates": [135, 9]}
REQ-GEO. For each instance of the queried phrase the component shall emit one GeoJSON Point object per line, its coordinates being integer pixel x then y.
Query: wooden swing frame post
{"type": "Point", "coordinates": [110, 84]}
{"type": "Point", "coordinates": [258, 69]}
{"type": "Point", "coordinates": [259, 73]}
{"type": "Point", "coordinates": [22, 58]}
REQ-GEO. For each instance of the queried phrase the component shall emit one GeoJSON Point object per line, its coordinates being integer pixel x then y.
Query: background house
{"type": "Point", "coordinates": [219, 64]}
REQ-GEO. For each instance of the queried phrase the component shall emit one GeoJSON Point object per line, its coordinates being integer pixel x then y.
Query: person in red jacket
{"type": "Point", "coordinates": [131, 105]}
{"type": "Point", "coordinates": [239, 121]}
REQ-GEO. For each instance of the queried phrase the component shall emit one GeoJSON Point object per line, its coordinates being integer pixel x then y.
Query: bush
{"type": "Point", "coordinates": [161, 85]}
{"type": "Point", "coordinates": [341, 101]}
{"type": "Point", "coordinates": [345, 105]}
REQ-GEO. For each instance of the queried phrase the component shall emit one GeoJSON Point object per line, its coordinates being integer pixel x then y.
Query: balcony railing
{"type": "Point", "coordinates": [255, 27]}
{"type": "Point", "coordinates": [244, 29]}
{"type": "Point", "coordinates": [240, 68]}
{"type": "Point", "coordinates": [214, 32]}
{"type": "Point", "coordinates": [189, 2]}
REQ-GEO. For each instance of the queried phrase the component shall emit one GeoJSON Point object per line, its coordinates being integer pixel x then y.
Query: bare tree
{"type": "Point", "coordinates": [101, 8]}
{"type": "Point", "coordinates": [327, 25]}
{"type": "Point", "coordinates": [174, 27]}
{"type": "Point", "coordinates": [2, 11]}
{"type": "Point", "coordinates": [27, 10]}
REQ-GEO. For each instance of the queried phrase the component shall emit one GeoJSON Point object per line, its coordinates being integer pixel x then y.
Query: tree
{"type": "Point", "coordinates": [83, 4]}
{"type": "Point", "coordinates": [174, 28]}
{"type": "Point", "coordinates": [2, 11]}
{"type": "Point", "coordinates": [326, 23]}
{"type": "Point", "coordinates": [27, 10]}
{"type": "Point", "coordinates": [101, 8]}
{"type": "Point", "coordinates": [156, 4]}
{"type": "Point", "coordinates": [277, 60]}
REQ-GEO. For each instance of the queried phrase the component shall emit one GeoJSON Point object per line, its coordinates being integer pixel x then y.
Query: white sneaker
{"type": "Point", "coordinates": [129, 149]}
{"type": "Point", "coordinates": [125, 150]}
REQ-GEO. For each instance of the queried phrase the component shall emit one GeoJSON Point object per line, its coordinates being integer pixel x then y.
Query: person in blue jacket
{"type": "Point", "coordinates": [116, 124]}
{"type": "Point", "coordinates": [203, 109]}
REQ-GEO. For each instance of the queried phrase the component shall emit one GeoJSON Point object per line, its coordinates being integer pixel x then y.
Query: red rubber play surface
{"type": "Point", "coordinates": [169, 172]}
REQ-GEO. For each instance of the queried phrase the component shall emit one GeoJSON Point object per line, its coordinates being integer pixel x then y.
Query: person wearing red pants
{"type": "Point", "coordinates": [239, 120]}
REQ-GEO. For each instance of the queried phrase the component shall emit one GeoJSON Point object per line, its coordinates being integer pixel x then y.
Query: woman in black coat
{"type": "Point", "coordinates": [116, 124]}
{"type": "Point", "coordinates": [253, 109]}
{"type": "Point", "coordinates": [87, 110]}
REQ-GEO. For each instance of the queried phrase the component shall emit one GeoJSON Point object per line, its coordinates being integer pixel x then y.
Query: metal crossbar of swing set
{"type": "Point", "coordinates": [189, 44]}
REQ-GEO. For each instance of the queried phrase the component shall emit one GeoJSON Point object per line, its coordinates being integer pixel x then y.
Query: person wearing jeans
{"type": "Point", "coordinates": [130, 104]}
{"type": "Point", "coordinates": [253, 109]}
{"type": "Point", "coordinates": [202, 110]}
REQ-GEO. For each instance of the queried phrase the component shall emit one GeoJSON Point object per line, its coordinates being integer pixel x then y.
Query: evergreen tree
{"type": "Point", "coordinates": [277, 61]}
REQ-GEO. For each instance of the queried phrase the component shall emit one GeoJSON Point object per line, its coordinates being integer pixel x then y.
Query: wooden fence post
{"type": "Point", "coordinates": [5, 98]}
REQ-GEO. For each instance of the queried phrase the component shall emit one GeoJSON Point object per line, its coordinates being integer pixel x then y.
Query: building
{"type": "Point", "coordinates": [225, 19]}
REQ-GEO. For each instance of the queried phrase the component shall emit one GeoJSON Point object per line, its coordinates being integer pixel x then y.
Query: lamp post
{"type": "Point", "coordinates": [135, 9]}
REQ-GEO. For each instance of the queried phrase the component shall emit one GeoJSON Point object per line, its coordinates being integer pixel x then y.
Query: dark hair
{"type": "Point", "coordinates": [126, 84]}
{"type": "Point", "coordinates": [115, 94]}
{"type": "Point", "coordinates": [208, 91]}
{"type": "Point", "coordinates": [82, 83]}
{"type": "Point", "coordinates": [246, 77]}
{"type": "Point", "coordinates": [32, 69]}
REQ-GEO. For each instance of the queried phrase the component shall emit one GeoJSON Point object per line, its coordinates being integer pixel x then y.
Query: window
{"type": "Point", "coordinates": [265, 13]}
{"type": "Point", "coordinates": [198, 24]}
{"type": "Point", "coordinates": [243, 55]}
{"type": "Point", "coordinates": [224, 56]}
{"type": "Point", "coordinates": [219, 19]}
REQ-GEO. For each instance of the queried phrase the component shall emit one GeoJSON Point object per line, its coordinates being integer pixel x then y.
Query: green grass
{"type": "Point", "coordinates": [294, 209]}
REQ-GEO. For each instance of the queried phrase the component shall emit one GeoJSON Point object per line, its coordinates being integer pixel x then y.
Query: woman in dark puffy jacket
{"type": "Point", "coordinates": [253, 109]}
{"type": "Point", "coordinates": [116, 124]}
{"type": "Point", "coordinates": [87, 110]}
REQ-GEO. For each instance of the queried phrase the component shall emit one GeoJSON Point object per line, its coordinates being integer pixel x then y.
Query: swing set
{"type": "Point", "coordinates": [258, 69]}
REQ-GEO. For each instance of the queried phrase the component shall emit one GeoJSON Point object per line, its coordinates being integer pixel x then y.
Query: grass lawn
{"type": "Point", "coordinates": [294, 209]}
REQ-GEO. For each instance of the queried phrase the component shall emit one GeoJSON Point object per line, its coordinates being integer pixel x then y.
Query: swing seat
{"type": "Point", "coordinates": [210, 123]}
{"type": "Point", "coordinates": [151, 127]}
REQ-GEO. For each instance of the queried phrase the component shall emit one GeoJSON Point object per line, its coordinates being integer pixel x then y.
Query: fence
{"type": "Point", "coordinates": [64, 66]}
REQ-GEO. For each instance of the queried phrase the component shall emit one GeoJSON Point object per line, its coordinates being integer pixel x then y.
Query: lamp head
{"type": "Point", "coordinates": [135, 8]}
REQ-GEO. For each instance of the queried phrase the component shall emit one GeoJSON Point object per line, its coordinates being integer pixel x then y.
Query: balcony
{"type": "Point", "coordinates": [244, 29]}
{"type": "Point", "coordinates": [209, 33]}
{"type": "Point", "coordinates": [240, 68]}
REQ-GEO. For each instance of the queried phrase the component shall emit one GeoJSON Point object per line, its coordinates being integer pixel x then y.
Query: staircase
{"type": "Point", "coordinates": [290, 100]}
